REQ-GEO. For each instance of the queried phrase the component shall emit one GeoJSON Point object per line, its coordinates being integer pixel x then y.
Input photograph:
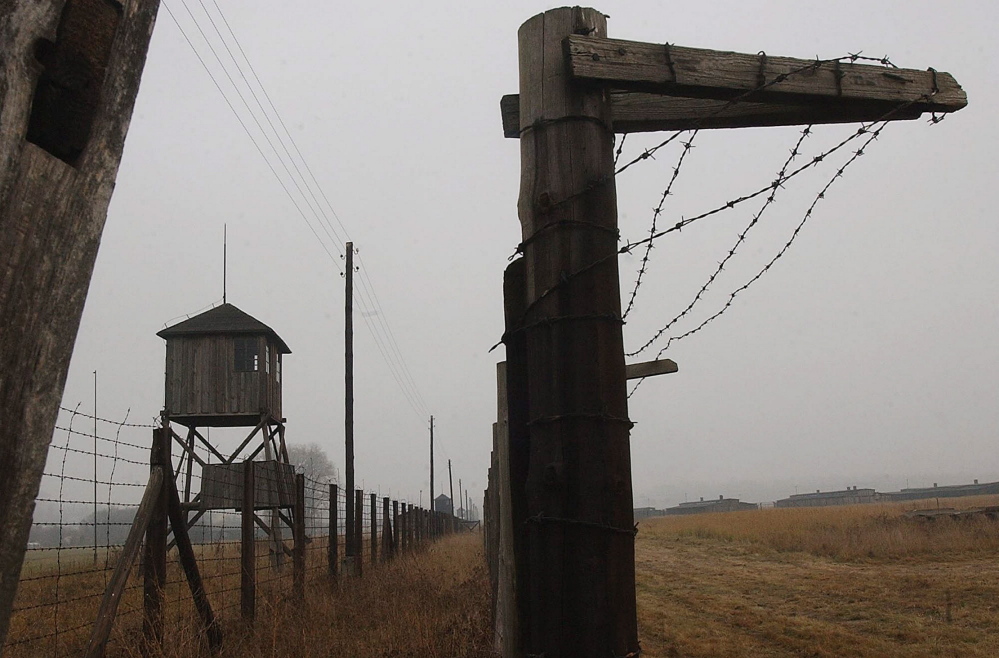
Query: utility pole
{"type": "Point", "coordinates": [450, 481]}
{"type": "Point", "coordinates": [350, 549]}
{"type": "Point", "coordinates": [461, 504]}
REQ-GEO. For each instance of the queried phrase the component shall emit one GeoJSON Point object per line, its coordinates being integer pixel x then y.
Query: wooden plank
{"type": "Point", "coordinates": [116, 586]}
{"type": "Point", "coordinates": [637, 112]}
{"type": "Point", "coordinates": [650, 368]}
{"type": "Point", "coordinates": [701, 73]}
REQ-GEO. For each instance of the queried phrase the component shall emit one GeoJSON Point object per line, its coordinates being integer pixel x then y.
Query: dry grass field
{"type": "Point", "coordinates": [817, 582]}
{"type": "Point", "coordinates": [433, 604]}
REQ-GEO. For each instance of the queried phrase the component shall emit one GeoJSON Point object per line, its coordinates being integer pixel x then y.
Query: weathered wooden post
{"type": "Point", "coordinates": [332, 547]}
{"type": "Point", "coordinates": [396, 529]}
{"type": "Point", "coordinates": [298, 558]}
{"type": "Point", "coordinates": [579, 480]}
{"type": "Point", "coordinates": [374, 528]}
{"type": "Point", "coordinates": [387, 537]}
{"type": "Point", "coordinates": [69, 75]}
{"type": "Point", "coordinates": [154, 558]}
{"type": "Point", "coordinates": [358, 561]}
{"type": "Point", "coordinates": [248, 546]}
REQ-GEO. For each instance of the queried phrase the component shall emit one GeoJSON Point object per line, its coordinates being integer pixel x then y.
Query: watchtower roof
{"type": "Point", "coordinates": [224, 319]}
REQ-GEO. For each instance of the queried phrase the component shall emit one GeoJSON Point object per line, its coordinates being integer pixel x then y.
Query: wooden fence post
{"type": "Point", "coordinates": [386, 531]}
{"type": "Point", "coordinates": [189, 562]}
{"type": "Point", "coordinates": [374, 528]}
{"type": "Point", "coordinates": [248, 546]}
{"type": "Point", "coordinates": [333, 546]}
{"type": "Point", "coordinates": [298, 557]}
{"type": "Point", "coordinates": [579, 486]}
{"type": "Point", "coordinates": [404, 529]}
{"type": "Point", "coordinates": [154, 559]}
{"type": "Point", "coordinates": [359, 531]}
{"type": "Point", "coordinates": [396, 530]}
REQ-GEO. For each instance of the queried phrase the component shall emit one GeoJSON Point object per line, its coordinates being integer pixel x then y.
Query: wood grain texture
{"type": "Point", "coordinates": [581, 574]}
{"type": "Point", "coordinates": [696, 72]}
{"type": "Point", "coordinates": [51, 216]}
{"type": "Point", "coordinates": [638, 112]}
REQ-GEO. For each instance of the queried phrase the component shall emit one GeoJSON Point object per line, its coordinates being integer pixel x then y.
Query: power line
{"type": "Point", "coordinates": [364, 295]}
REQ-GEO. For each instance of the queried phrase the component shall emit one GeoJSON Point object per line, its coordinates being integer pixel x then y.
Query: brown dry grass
{"type": "Point", "coordinates": [838, 581]}
{"type": "Point", "coordinates": [432, 603]}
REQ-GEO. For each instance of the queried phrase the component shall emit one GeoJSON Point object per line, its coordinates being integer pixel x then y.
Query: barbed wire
{"type": "Point", "coordinates": [655, 218]}
{"type": "Point", "coordinates": [872, 136]}
{"type": "Point", "coordinates": [775, 186]}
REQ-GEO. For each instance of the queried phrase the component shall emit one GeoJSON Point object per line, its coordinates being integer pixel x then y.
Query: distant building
{"type": "Point", "coordinates": [442, 503]}
{"type": "Point", "coordinates": [647, 512]}
{"type": "Point", "coordinates": [848, 496]}
{"type": "Point", "coordinates": [721, 504]}
{"type": "Point", "coordinates": [949, 491]}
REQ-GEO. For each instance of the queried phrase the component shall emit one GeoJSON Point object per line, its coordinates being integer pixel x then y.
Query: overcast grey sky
{"type": "Point", "coordinates": [869, 355]}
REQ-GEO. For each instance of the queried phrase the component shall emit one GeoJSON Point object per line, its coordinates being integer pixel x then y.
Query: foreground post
{"type": "Point", "coordinates": [582, 562]}
{"type": "Point", "coordinates": [154, 559]}
{"type": "Point", "coordinates": [248, 547]}
{"type": "Point", "coordinates": [60, 146]}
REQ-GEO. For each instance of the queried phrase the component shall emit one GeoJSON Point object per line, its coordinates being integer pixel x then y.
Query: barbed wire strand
{"type": "Point", "coordinates": [873, 135]}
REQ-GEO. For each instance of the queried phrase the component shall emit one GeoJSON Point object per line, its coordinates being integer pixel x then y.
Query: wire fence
{"type": "Point", "coordinates": [90, 495]}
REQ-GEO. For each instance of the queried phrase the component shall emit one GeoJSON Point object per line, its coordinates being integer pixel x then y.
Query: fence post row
{"type": "Point", "coordinates": [248, 546]}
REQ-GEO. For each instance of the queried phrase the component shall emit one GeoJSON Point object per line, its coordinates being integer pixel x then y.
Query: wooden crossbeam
{"type": "Point", "coordinates": [700, 73]}
{"type": "Point", "coordinates": [650, 368]}
{"type": "Point", "coordinates": [636, 112]}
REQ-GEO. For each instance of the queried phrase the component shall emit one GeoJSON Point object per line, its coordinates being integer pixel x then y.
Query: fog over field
{"type": "Point", "coordinates": [868, 355]}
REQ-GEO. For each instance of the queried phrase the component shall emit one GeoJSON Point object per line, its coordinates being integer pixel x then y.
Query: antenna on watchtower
{"type": "Point", "coordinates": [224, 254]}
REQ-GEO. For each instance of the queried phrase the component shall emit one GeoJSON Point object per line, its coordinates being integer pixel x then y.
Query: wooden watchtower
{"type": "Point", "coordinates": [224, 369]}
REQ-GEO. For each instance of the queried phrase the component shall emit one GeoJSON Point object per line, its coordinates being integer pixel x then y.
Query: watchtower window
{"type": "Point", "coordinates": [247, 355]}
{"type": "Point", "coordinates": [267, 359]}
{"type": "Point", "coordinates": [277, 368]}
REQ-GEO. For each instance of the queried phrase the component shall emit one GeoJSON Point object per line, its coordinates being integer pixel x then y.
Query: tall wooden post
{"type": "Point", "coordinates": [579, 480]}
{"type": "Point", "coordinates": [374, 528]}
{"type": "Point", "coordinates": [60, 146]}
{"type": "Point", "coordinates": [431, 463]}
{"type": "Point", "coordinates": [351, 548]}
{"type": "Point", "coordinates": [298, 557]}
{"type": "Point", "coordinates": [332, 557]}
{"type": "Point", "coordinates": [154, 559]}
{"type": "Point", "coordinates": [358, 532]}
{"type": "Point", "coordinates": [248, 546]}
{"type": "Point", "coordinates": [450, 481]}
{"type": "Point", "coordinates": [387, 535]}
{"type": "Point", "coordinates": [396, 529]}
